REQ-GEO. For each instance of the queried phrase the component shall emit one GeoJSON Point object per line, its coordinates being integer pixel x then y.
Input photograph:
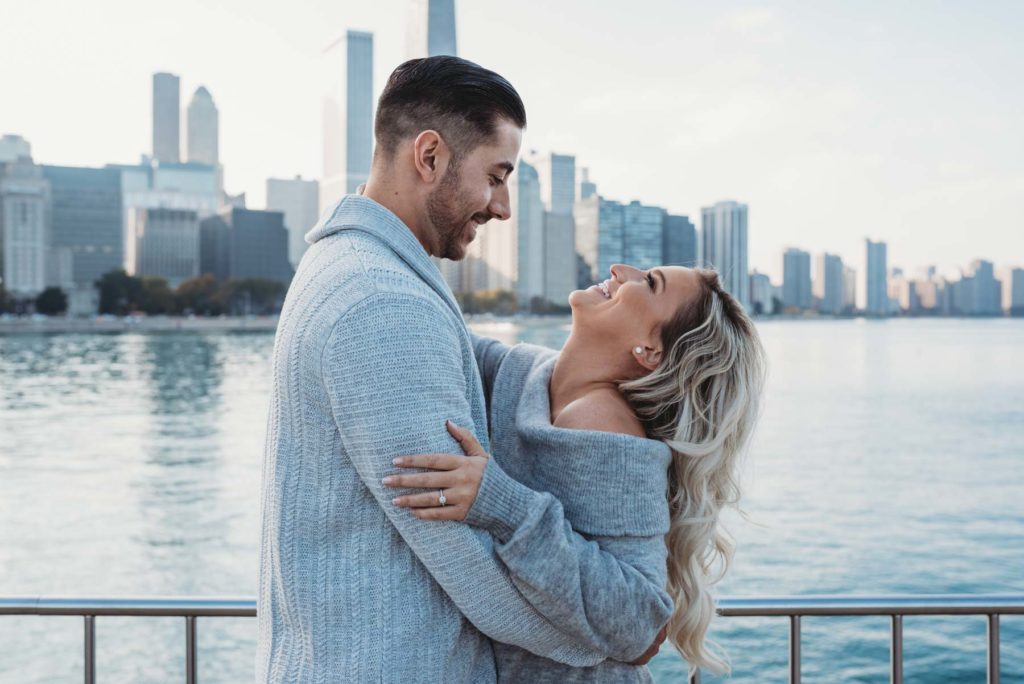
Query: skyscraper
{"type": "Point", "coordinates": [610, 232]}
{"type": "Point", "coordinates": [761, 293]}
{"type": "Point", "coordinates": [528, 217]}
{"type": "Point", "coordinates": [24, 227]}
{"type": "Point", "coordinates": [876, 295]}
{"type": "Point", "coordinates": [245, 243]}
{"type": "Point", "coordinates": [724, 246]}
{"type": "Point", "coordinates": [347, 115]}
{"type": "Point", "coordinates": [166, 117]}
{"type": "Point", "coordinates": [796, 278]}
{"type": "Point", "coordinates": [828, 283]}
{"type": "Point", "coordinates": [1014, 283]}
{"type": "Point", "coordinates": [986, 296]}
{"type": "Point", "coordinates": [587, 187]}
{"type": "Point", "coordinates": [678, 241]}
{"type": "Point", "coordinates": [87, 224]}
{"type": "Point", "coordinates": [203, 135]}
{"type": "Point", "coordinates": [556, 176]}
{"type": "Point", "coordinates": [299, 201]}
{"type": "Point", "coordinates": [163, 242]}
{"type": "Point", "coordinates": [849, 289]}
{"type": "Point", "coordinates": [431, 28]}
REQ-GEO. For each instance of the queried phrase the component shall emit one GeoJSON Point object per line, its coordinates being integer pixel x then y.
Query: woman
{"type": "Point", "coordinates": [664, 359]}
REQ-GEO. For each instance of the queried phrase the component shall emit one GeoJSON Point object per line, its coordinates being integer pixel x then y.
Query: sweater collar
{"type": "Point", "coordinates": [357, 212]}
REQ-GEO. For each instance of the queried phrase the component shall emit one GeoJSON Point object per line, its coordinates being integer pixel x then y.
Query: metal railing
{"type": "Point", "coordinates": [792, 607]}
{"type": "Point", "coordinates": [895, 607]}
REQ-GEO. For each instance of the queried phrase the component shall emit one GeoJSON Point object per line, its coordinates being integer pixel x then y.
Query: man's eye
{"type": "Point", "coordinates": [495, 180]}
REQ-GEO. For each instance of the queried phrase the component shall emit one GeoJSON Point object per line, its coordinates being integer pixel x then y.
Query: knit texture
{"type": "Point", "coordinates": [603, 538]}
{"type": "Point", "coordinates": [371, 357]}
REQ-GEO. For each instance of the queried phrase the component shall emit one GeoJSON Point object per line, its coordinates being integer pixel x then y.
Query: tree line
{"type": "Point", "coordinates": [121, 294]}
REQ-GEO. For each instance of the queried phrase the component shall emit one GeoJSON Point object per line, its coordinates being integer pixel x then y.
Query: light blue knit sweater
{"type": "Point", "coordinates": [371, 357]}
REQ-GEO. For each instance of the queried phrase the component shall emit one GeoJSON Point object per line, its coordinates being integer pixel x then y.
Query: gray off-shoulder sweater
{"type": "Point", "coordinates": [608, 569]}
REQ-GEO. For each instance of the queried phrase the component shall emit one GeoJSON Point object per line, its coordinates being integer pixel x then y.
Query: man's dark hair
{"type": "Point", "coordinates": [457, 98]}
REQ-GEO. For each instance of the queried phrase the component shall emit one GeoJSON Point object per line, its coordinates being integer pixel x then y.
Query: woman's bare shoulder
{"type": "Point", "coordinates": [603, 411]}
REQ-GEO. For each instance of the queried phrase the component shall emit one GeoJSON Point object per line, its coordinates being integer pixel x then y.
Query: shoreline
{"type": "Point", "coordinates": [166, 324]}
{"type": "Point", "coordinates": [137, 324]}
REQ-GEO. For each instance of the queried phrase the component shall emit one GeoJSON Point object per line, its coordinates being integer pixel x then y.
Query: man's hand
{"type": "Point", "coordinates": [654, 648]}
{"type": "Point", "coordinates": [454, 480]}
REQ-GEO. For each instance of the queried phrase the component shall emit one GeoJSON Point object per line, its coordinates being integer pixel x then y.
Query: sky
{"type": "Point", "coordinates": [833, 121]}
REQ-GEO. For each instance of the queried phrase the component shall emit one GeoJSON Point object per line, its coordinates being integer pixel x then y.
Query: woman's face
{"type": "Point", "coordinates": [630, 307]}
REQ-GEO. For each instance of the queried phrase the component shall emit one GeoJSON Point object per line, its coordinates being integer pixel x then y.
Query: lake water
{"type": "Point", "coordinates": [889, 459]}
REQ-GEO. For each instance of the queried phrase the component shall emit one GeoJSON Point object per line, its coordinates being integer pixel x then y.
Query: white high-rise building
{"type": "Point", "coordinates": [1013, 286]}
{"type": "Point", "coordinates": [724, 246]}
{"type": "Point", "coordinates": [347, 116]}
{"type": "Point", "coordinates": [166, 117]}
{"type": "Point", "coordinates": [203, 129]}
{"type": "Point", "coordinates": [876, 292]}
{"type": "Point", "coordinates": [25, 239]}
{"type": "Point", "coordinates": [849, 289]}
{"type": "Point", "coordinates": [431, 29]}
{"type": "Point", "coordinates": [299, 201]}
{"type": "Point", "coordinates": [828, 283]}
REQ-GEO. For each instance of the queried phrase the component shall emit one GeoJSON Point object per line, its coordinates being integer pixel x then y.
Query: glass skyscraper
{"type": "Point", "coordinates": [724, 237]}
{"type": "Point", "coordinates": [347, 116]}
{"type": "Point", "coordinates": [876, 279]}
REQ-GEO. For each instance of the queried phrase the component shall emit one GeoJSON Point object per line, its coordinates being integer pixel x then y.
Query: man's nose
{"type": "Point", "coordinates": [500, 206]}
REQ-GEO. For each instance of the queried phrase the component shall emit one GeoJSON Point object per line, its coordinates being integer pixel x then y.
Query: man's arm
{"type": "Point", "coordinates": [393, 369]}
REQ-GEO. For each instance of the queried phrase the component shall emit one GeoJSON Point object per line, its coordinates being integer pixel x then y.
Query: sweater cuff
{"type": "Point", "coordinates": [501, 504]}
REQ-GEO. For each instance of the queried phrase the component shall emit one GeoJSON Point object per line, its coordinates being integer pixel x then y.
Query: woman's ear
{"type": "Point", "coordinates": [430, 155]}
{"type": "Point", "coordinates": [648, 357]}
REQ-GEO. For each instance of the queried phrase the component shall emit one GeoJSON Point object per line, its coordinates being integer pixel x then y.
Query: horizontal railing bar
{"type": "Point", "coordinates": [143, 607]}
{"type": "Point", "coordinates": [923, 604]}
{"type": "Point", "coordinates": [753, 606]}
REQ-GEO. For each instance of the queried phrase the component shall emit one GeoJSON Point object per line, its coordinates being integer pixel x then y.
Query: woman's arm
{"type": "Point", "coordinates": [489, 355]}
{"type": "Point", "coordinates": [609, 592]}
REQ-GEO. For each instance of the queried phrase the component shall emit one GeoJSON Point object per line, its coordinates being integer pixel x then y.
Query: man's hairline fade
{"type": "Point", "coordinates": [462, 102]}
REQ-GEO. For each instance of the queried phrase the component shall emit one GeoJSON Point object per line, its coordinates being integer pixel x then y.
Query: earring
{"type": "Point", "coordinates": [638, 350]}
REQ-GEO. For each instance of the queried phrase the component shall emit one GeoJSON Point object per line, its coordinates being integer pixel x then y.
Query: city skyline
{"type": "Point", "coordinates": [915, 176]}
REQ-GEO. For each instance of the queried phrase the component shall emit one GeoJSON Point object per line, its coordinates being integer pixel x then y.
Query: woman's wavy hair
{"type": "Point", "coordinates": [702, 400]}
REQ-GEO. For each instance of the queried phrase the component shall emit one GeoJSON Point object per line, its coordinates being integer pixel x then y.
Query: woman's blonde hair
{"type": "Point", "coordinates": [703, 401]}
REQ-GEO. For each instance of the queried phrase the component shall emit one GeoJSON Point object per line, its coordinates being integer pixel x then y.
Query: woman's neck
{"type": "Point", "coordinates": [579, 371]}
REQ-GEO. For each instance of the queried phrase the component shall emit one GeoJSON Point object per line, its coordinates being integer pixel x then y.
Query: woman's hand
{"type": "Point", "coordinates": [456, 478]}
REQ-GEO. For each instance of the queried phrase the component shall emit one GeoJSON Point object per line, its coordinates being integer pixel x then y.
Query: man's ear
{"type": "Point", "coordinates": [430, 155]}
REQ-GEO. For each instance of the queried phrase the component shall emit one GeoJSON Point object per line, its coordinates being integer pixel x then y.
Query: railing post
{"type": "Point", "coordinates": [993, 649]}
{"type": "Point", "coordinates": [794, 649]}
{"type": "Point", "coordinates": [190, 649]}
{"type": "Point", "coordinates": [896, 652]}
{"type": "Point", "coordinates": [90, 649]}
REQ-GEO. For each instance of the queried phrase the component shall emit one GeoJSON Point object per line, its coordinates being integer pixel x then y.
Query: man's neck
{"type": "Point", "coordinates": [399, 203]}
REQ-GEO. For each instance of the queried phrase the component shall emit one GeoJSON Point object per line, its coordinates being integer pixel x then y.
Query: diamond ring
{"type": "Point", "coordinates": [442, 499]}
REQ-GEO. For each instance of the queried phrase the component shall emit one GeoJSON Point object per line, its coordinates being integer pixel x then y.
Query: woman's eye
{"type": "Point", "coordinates": [650, 281]}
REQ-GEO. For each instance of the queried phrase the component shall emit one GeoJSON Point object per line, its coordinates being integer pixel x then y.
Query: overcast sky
{"type": "Point", "coordinates": [832, 120]}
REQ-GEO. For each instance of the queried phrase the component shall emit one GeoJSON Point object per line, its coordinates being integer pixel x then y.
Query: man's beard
{"type": "Point", "coordinates": [447, 217]}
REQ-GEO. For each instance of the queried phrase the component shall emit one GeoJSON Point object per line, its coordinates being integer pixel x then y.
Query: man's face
{"type": "Point", "coordinates": [473, 192]}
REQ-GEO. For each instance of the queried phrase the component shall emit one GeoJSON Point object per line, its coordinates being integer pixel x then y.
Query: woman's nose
{"type": "Point", "coordinates": [622, 272]}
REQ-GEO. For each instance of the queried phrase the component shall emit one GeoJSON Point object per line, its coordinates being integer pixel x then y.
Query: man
{"type": "Point", "coordinates": [370, 360]}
